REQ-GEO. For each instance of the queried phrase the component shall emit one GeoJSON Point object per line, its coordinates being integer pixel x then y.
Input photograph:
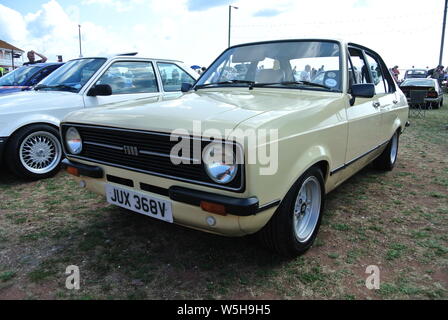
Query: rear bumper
{"type": "Point", "coordinates": [427, 100]}
{"type": "Point", "coordinates": [433, 99]}
{"type": "Point", "coordinates": [2, 147]}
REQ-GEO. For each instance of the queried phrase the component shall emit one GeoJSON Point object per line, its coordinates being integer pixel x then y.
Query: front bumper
{"type": "Point", "coordinates": [242, 215]}
{"type": "Point", "coordinates": [2, 147]}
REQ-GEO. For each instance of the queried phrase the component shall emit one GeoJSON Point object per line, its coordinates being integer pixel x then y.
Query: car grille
{"type": "Point", "coordinates": [147, 152]}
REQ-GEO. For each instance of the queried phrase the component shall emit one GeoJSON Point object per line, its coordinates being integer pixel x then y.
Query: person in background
{"type": "Point", "coordinates": [2, 71]}
{"type": "Point", "coordinates": [32, 58]}
{"type": "Point", "coordinates": [395, 72]}
{"type": "Point", "coordinates": [438, 74]}
{"type": "Point", "coordinates": [305, 75]}
{"type": "Point", "coordinates": [60, 59]}
{"type": "Point", "coordinates": [201, 70]}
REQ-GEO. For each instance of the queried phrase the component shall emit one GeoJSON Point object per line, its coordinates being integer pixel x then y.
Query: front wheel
{"type": "Point", "coordinates": [294, 226]}
{"type": "Point", "coordinates": [386, 161]}
{"type": "Point", "coordinates": [34, 152]}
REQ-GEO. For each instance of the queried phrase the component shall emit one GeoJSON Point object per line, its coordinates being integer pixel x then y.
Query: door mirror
{"type": "Point", "coordinates": [363, 90]}
{"type": "Point", "coordinates": [186, 87]}
{"type": "Point", "coordinates": [100, 90]}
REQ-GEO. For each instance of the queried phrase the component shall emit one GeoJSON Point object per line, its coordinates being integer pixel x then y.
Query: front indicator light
{"type": "Point", "coordinates": [73, 171]}
{"type": "Point", "coordinates": [213, 208]}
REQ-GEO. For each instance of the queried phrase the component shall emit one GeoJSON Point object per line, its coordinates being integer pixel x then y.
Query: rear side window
{"type": "Point", "coordinates": [173, 76]}
{"type": "Point", "coordinates": [376, 72]}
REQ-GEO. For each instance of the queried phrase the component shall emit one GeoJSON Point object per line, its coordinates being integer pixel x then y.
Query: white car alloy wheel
{"type": "Point", "coordinates": [40, 152]}
{"type": "Point", "coordinates": [307, 209]}
{"type": "Point", "coordinates": [394, 148]}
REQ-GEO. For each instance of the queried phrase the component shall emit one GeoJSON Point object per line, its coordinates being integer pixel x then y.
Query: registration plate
{"type": "Point", "coordinates": [139, 202]}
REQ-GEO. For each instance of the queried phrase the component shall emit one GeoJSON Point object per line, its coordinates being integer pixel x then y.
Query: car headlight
{"type": "Point", "coordinates": [73, 141]}
{"type": "Point", "coordinates": [220, 162]}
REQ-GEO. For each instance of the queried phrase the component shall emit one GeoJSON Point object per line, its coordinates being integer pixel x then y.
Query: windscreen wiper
{"type": "Point", "coordinates": [234, 81]}
{"type": "Point", "coordinates": [290, 83]}
{"type": "Point", "coordinates": [60, 86]}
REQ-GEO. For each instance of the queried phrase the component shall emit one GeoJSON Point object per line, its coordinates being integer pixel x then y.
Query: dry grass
{"type": "Point", "coordinates": [396, 220]}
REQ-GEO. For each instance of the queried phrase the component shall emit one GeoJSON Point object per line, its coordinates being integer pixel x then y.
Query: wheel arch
{"type": "Point", "coordinates": [320, 158]}
{"type": "Point", "coordinates": [51, 124]}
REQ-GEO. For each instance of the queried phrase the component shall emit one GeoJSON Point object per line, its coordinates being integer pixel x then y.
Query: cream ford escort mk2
{"type": "Point", "coordinates": [253, 147]}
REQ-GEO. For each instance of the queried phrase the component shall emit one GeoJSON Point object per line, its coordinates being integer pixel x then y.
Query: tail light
{"type": "Point", "coordinates": [432, 94]}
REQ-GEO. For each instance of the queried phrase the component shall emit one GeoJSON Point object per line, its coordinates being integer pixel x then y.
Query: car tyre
{"type": "Point", "coordinates": [387, 159]}
{"type": "Point", "coordinates": [34, 152]}
{"type": "Point", "coordinates": [293, 228]}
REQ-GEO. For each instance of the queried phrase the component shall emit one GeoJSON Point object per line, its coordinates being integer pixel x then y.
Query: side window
{"type": "Point", "coordinates": [377, 75]}
{"type": "Point", "coordinates": [358, 67]}
{"type": "Point", "coordinates": [173, 76]}
{"type": "Point", "coordinates": [130, 77]}
{"type": "Point", "coordinates": [41, 75]}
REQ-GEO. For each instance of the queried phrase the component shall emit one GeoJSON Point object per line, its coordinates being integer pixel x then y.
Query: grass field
{"type": "Point", "coordinates": [396, 220]}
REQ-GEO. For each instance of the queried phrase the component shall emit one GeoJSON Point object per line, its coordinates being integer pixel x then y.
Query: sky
{"type": "Point", "coordinates": [404, 32]}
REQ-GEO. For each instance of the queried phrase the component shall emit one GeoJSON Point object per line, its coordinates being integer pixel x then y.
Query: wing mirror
{"type": "Point", "coordinates": [100, 90]}
{"type": "Point", "coordinates": [363, 90]}
{"type": "Point", "coordinates": [186, 87]}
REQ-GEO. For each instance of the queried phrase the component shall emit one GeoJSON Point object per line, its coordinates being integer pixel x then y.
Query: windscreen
{"type": "Point", "coordinates": [72, 76]}
{"type": "Point", "coordinates": [278, 63]}
{"type": "Point", "coordinates": [19, 76]}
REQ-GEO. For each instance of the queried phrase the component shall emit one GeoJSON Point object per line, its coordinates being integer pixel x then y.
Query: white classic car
{"type": "Point", "coordinates": [248, 149]}
{"type": "Point", "coordinates": [29, 121]}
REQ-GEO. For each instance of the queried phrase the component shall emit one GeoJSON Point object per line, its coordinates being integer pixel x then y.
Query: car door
{"type": "Point", "coordinates": [129, 80]}
{"type": "Point", "coordinates": [385, 97]}
{"type": "Point", "coordinates": [363, 114]}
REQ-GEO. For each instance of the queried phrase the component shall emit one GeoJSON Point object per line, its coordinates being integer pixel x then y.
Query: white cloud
{"type": "Point", "coordinates": [12, 25]}
{"type": "Point", "coordinates": [119, 5]}
{"type": "Point", "coordinates": [171, 30]}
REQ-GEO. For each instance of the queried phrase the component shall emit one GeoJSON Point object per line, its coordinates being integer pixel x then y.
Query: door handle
{"type": "Point", "coordinates": [376, 104]}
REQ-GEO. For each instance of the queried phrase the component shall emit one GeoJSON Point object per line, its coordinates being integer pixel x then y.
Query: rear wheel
{"type": "Point", "coordinates": [34, 152]}
{"type": "Point", "coordinates": [386, 161]}
{"type": "Point", "coordinates": [294, 226]}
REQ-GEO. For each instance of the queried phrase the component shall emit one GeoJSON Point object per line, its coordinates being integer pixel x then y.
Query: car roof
{"type": "Point", "coordinates": [46, 64]}
{"type": "Point", "coordinates": [111, 57]}
{"type": "Point", "coordinates": [286, 40]}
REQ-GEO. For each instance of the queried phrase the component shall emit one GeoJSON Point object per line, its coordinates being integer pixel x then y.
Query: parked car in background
{"type": "Point", "coordinates": [318, 135]}
{"type": "Point", "coordinates": [25, 77]}
{"type": "Point", "coordinates": [434, 92]}
{"type": "Point", "coordinates": [415, 73]}
{"type": "Point", "coordinates": [29, 121]}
